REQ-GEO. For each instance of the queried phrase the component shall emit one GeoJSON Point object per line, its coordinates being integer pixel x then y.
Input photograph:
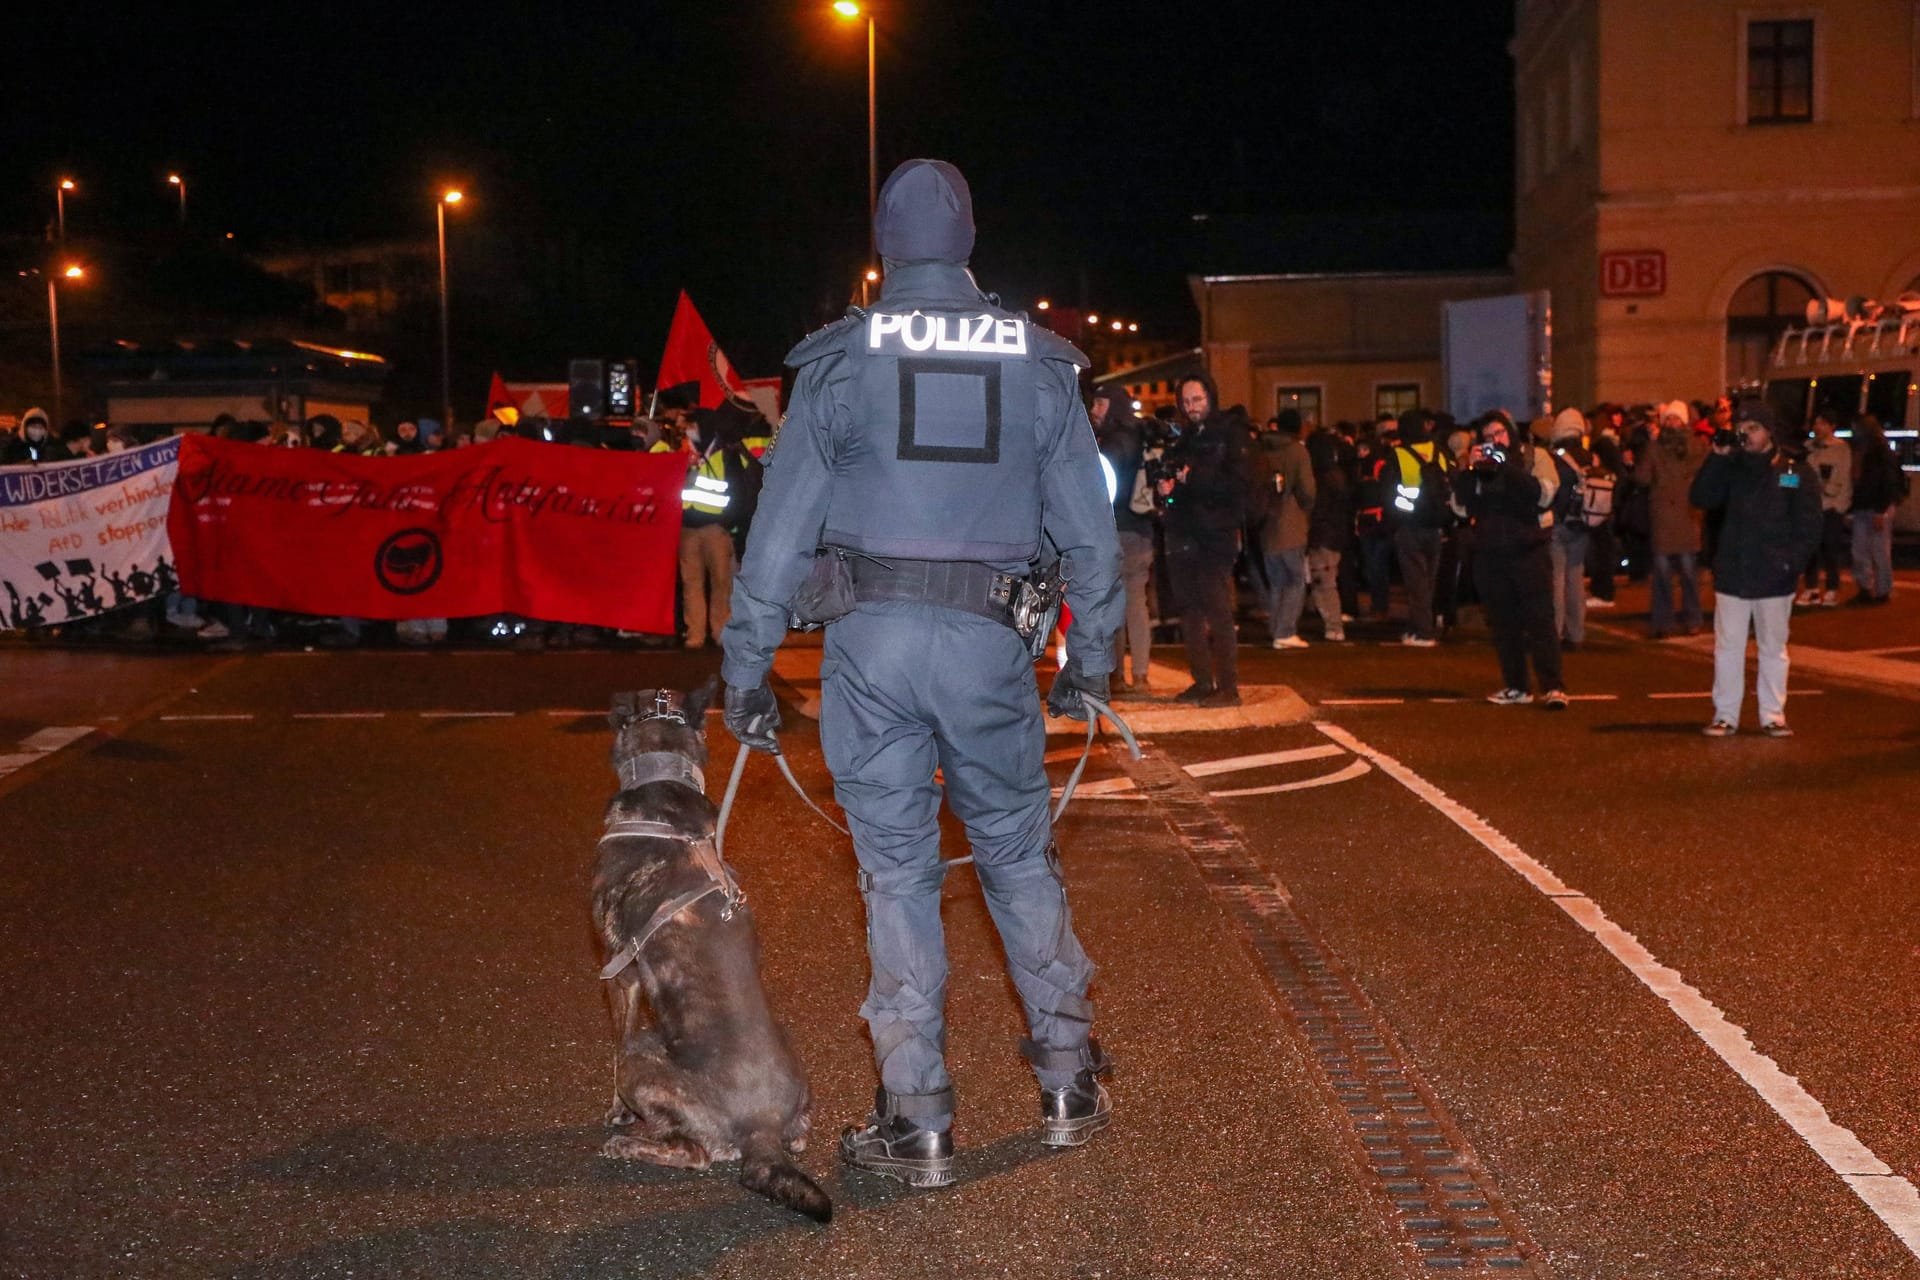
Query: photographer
{"type": "Point", "coordinates": [1771, 523]}
{"type": "Point", "coordinates": [1206, 505]}
{"type": "Point", "coordinates": [1512, 569]}
{"type": "Point", "coordinates": [1124, 442]}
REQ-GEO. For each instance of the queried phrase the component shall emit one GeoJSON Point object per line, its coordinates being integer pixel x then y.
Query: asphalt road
{"type": "Point", "coordinates": [300, 981]}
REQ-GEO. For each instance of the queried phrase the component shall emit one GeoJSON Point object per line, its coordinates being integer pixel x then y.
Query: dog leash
{"type": "Point", "coordinates": [1097, 709]}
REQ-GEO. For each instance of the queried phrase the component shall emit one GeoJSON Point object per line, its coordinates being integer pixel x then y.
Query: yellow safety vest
{"type": "Point", "coordinates": [706, 484]}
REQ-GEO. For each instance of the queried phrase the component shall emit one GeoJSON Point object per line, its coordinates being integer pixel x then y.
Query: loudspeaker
{"type": "Point", "coordinates": [587, 389]}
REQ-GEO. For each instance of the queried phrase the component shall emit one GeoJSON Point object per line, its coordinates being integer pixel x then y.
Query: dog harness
{"type": "Point", "coordinates": [720, 880]}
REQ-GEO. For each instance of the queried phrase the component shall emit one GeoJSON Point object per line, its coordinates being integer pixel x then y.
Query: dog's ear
{"type": "Point", "coordinates": [625, 707]}
{"type": "Point", "coordinates": [700, 697]}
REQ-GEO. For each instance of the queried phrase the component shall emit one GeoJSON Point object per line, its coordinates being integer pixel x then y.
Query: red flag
{"type": "Point", "coordinates": [693, 356]}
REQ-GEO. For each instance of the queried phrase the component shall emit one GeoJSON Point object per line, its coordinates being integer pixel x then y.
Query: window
{"type": "Point", "coordinates": [1304, 399]}
{"type": "Point", "coordinates": [1391, 399]}
{"type": "Point", "coordinates": [1760, 311]}
{"type": "Point", "coordinates": [1780, 72]}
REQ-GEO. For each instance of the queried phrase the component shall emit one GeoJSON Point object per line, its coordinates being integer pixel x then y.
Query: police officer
{"type": "Point", "coordinates": [937, 447]}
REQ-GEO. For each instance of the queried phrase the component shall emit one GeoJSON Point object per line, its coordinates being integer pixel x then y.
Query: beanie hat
{"type": "Point", "coordinates": [31, 416]}
{"type": "Point", "coordinates": [1568, 423]}
{"type": "Point", "coordinates": [1676, 409]}
{"type": "Point", "coordinates": [925, 212]}
{"type": "Point", "coordinates": [1759, 412]}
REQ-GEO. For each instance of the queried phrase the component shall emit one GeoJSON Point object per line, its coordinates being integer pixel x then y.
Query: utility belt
{"type": "Point", "coordinates": [1029, 603]}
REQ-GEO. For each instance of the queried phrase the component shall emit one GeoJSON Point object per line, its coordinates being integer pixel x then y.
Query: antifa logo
{"type": "Point", "coordinates": [409, 562]}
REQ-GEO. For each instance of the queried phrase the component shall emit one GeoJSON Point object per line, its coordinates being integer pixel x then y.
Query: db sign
{"type": "Point", "coordinates": [1639, 273]}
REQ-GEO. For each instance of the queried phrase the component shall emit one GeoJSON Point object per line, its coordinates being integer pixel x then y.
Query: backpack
{"type": "Point", "coordinates": [1568, 498]}
{"type": "Point", "coordinates": [1597, 500]}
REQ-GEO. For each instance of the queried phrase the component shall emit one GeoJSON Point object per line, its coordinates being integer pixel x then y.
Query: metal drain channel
{"type": "Point", "coordinates": [1415, 1156]}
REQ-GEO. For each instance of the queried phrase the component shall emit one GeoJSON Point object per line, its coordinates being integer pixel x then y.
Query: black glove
{"type": "Point", "coordinates": [753, 716]}
{"type": "Point", "coordinates": [1066, 697]}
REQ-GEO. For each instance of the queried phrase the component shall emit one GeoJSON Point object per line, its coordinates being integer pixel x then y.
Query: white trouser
{"type": "Point", "coordinates": [1732, 617]}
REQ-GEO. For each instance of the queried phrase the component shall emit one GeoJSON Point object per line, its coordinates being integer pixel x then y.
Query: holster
{"type": "Point", "coordinates": [827, 594]}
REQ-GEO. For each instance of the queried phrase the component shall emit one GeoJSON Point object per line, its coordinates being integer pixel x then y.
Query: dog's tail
{"type": "Point", "coordinates": [766, 1168]}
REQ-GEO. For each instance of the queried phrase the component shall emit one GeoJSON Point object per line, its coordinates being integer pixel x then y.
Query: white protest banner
{"type": "Point", "coordinates": [81, 538]}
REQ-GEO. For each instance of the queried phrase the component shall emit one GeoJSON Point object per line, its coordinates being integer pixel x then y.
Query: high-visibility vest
{"type": "Point", "coordinates": [706, 484]}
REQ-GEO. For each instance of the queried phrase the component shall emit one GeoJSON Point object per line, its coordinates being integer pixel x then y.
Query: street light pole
{"type": "Point", "coordinates": [873, 146]}
{"type": "Point", "coordinates": [60, 190]}
{"type": "Point", "coordinates": [852, 9]}
{"type": "Point", "coordinates": [53, 326]}
{"type": "Point", "coordinates": [174, 179]}
{"type": "Point", "coordinates": [446, 358]}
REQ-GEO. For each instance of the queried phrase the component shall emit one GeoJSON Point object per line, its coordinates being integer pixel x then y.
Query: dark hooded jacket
{"type": "Point", "coordinates": [1772, 522]}
{"type": "Point", "coordinates": [1209, 507]}
{"type": "Point", "coordinates": [1121, 439]}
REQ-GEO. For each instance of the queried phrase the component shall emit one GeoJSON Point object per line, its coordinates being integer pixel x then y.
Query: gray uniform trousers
{"type": "Point", "coordinates": [906, 689]}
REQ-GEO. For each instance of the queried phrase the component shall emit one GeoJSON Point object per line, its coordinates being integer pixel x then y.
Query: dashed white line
{"type": "Point", "coordinates": [1593, 697]}
{"type": "Point", "coordinates": [1695, 693]}
{"type": "Point", "coordinates": [339, 715]}
{"type": "Point", "coordinates": [1892, 1198]}
{"type": "Point", "coordinates": [234, 715]}
{"type": "Point", "coordinates": [464, 715]}
{"type": "Point", "coordinates": [1362, 702]}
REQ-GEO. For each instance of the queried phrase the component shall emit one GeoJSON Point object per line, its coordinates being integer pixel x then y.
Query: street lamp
{"type": "Point", "coordinates": [60, 190]}
{"type": "Point", "coordinates": [853, 12]}
{"type": "Point", "coordinates": [450, 196]}
{"type": "Point", "coordinates": [175, 180]}
{"type": "Point", "coordinates": [73, 271]}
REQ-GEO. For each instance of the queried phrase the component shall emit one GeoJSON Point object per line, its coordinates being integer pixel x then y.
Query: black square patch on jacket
{"type": "Point", "coordinates": [949, 411]}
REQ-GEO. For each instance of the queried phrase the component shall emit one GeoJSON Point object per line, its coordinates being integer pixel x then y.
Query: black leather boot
{"type": "Point", "coordinates": [893, 1146]}
{"type": "Point", "coordinates": [1071, 1115]}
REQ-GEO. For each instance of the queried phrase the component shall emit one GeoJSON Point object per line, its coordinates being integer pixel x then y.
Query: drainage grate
{"type": "Point", "coordinates": [1415, 1155]}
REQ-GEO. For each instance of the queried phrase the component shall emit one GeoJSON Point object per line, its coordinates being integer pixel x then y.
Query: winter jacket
{"type": "Point", "coordinates": [1120, 438]}
{"type": "Point", "coordinates": [1504, 504]}
{"type": "Point", "coordinates": [1833, 463]}
{"type": "Point", "coordinates": [1772, 522]}
{"type": "Point", "coordinates": [1876, 479]}
{"type": "Point", "coordinates": [1287, 509]}
{"type": "Point", "coordinates": [1209, 507]}
{"type": "Point", "coordinates": [1667, 467]}
{"type": "Point", "coordinates": [1330, 523]}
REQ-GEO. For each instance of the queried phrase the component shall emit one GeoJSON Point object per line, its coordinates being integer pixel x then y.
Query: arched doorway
{"type": "Point", "coordinates": [1760, 311]}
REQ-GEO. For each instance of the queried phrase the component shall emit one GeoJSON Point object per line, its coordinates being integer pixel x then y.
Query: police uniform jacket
{"type": "Point", "coordinates": [882, 451]}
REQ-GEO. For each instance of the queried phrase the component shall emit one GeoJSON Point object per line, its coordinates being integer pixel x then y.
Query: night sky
{"type": "Point", "coordinates": [721, 146]}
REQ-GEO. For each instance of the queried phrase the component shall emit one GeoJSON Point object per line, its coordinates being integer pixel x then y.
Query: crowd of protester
{"type": "Point", "coordinates": [721, 445]}
{"type": "Point", "coordinates": [1532, 522]}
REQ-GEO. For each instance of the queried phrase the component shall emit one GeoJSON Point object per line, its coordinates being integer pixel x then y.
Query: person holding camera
{"type": "Point", "coordinates": [1206, 505]}
{"type": "Point", "coordinates": [1771, 522]}
{"type": "Point", "coordinates": [1512, 568]}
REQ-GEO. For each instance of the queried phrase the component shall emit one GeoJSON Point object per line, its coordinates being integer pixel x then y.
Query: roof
{"type": "Point", "coordinates": [245, 359]}
{"type": "Point", "coordinates": [1421, 241]}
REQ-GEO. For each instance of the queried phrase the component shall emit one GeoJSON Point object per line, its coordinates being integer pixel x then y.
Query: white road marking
{"type": "Point", "coordinates": [1347, 774]}
{"type": "Point", "coordinates": [1361, 702]}
{"type": "Point", "coordinates": [1889, 653]}
{"type": "Point", "coordinates": [237, 715]}
{"type": "Point", "coordinates": [1703, 693]}
{"type": "Point", "coordinates": [37, 746]}
{"type": "Point", "coordinates": [464, 715]}
{"type": "Point", "coordinates": [339, 715]}
{"type": "Point", "coordinates": [1892, 1198]}
{"type": "Point", "coordinates": [1234, 764]}
{"type": "Point", "coordinates": [1593, 697]}
{"type": "Point", "coordinates": [561, 711]}
{"type": "Point", "coordinates": [56, 737]}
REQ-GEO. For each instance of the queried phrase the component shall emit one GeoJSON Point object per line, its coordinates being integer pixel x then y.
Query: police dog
{"type": "Point", "coordinates": [702, 1072]}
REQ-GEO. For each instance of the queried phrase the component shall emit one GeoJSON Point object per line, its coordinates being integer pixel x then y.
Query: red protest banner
{"type": "Point", "coordinates": [514, 526]}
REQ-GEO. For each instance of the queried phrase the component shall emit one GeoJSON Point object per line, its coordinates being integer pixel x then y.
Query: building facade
{"type": "Point", "coordinates": [1335, 345]}
{"type": "Point", "coordinates": [1689, 176]}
